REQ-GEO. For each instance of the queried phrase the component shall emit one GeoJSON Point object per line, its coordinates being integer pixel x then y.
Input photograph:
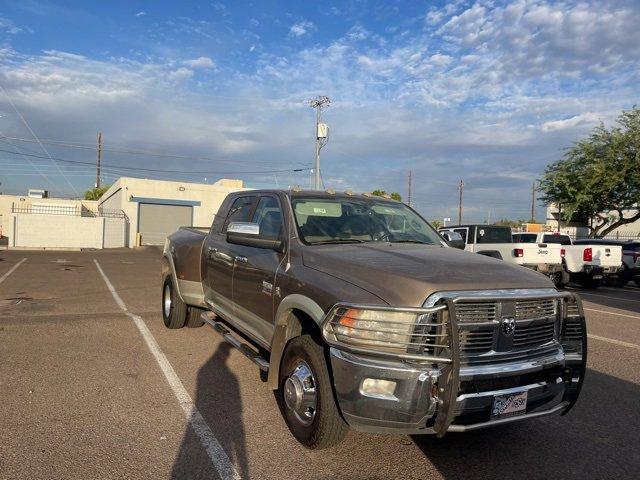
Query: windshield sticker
{"type": "Point", "coordinates": [319, 209]}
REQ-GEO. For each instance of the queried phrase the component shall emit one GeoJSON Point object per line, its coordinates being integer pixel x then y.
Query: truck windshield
{"type": "Point", "coordinates": [488, 234]}
{"type": "Point", "coordinates": [352, 220]}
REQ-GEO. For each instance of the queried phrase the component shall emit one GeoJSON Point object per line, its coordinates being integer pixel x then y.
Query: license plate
{"type": "Point", "coordinates": [509, 405]}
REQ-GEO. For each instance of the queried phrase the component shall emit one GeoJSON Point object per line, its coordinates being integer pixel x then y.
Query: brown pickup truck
{"type": "Point", "coordinates": [360, 315]}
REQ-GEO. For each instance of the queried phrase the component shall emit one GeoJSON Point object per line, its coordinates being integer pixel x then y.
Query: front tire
{"type": "Point", "coordinates": [174, 310]}
{"type": "Point", "coordinates": [306, 395]}
{"type": "Point", "coordinates": [623, 278]}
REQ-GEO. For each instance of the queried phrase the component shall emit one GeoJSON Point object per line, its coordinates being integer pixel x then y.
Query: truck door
{"type": "Point", "coordinates": [219, 259]}
{"type": "Point", "coordinates": [254, 286]}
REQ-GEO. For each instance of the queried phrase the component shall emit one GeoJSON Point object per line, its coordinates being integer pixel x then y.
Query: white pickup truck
{"type": "Point", "coordinates": [586, 264]}
{"type": "Point", "coordinates": [495, 241]}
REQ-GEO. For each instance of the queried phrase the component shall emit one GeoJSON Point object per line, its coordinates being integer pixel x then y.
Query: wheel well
{"type": "Point", "coordinates": [309, 326]}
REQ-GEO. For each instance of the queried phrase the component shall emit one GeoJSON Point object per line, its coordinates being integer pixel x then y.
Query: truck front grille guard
{"type": "Point", "coordinates": [448, 353]}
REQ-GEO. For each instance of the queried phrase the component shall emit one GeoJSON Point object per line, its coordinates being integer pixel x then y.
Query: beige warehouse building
{"type": "Point", "coordinates": [156, 208]}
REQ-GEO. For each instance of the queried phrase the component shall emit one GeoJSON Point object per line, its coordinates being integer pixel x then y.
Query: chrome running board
{"type": "Point", "coordinates": [244, 348]}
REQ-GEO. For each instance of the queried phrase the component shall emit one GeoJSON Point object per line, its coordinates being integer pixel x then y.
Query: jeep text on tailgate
{"type": "Point", "coordinates": [359, 315]}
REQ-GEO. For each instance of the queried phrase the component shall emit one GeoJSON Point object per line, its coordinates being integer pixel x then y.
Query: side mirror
{"type": "Point", "coordinates": [457, 244]}
{"type": "Point", "coordinates": [248, 234]}
{"type": "Point", "coordinates": [453, 239]}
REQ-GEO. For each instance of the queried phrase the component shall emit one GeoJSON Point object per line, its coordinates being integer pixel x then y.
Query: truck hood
{"type": "Point", "coordinates": [406, 274]}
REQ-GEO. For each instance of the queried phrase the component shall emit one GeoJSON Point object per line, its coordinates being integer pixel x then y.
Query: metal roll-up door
{"type": "Point", "coordinates": [156, 222]}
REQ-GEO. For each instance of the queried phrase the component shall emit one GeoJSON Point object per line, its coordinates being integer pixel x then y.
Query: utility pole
{"type": "Point", "coordinates": [409, 190]}
{"type": "Point", "coordinates": [533, 202]}
{"type": "Point", "coordinates": [461, 188]}
{"type": "Point", "coordinates": [322, 133]}
{"type": "Point", "coordinates": [99, 160]}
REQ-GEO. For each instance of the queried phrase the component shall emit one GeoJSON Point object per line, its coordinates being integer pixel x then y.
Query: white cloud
{"type": "Point", "coordinates": [12, 29]}
{"type": "Point", "coordinates": [181, 74]}
{"type": "Point", "coordinates": [141, 14]}
{"type": "Point", "coordinates": [584, 118]}
{"type": "Point", "coordinates": [301, 28]}
{"type": "Point", "coordinates": [200, 62]}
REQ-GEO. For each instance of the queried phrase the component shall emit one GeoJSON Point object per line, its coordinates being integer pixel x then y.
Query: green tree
{"type": "Point", "coordinates": [436, 223]}
{"type": "Point", "coordinates": [599, 177]}
{"type": "Point", "coordinates": [96, 193]}
{"type": "Point", "coordinates": [382, 193]}
{"type": "Point", "coordinates": [505, 222]}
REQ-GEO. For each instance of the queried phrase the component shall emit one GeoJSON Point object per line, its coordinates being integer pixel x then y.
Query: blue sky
{"type": "Point", "coordinates": [487, 91]}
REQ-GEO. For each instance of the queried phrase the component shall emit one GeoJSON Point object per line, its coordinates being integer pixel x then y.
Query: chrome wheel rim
{"type": "Point", "coordinates": [300, 394]}
{"type": "Point", "coordinates": [166, 301]}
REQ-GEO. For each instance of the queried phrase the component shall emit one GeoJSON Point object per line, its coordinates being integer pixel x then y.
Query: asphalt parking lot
{"type": "Point", "coordinates": [84, 393]}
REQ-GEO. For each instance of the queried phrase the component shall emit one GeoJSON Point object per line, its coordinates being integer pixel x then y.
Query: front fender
{"type": "Point", "coordinates": [288, 326]}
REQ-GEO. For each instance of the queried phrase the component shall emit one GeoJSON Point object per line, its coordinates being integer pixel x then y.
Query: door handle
{"type": "Point", "coordinates": [241, 259]}
{"type": "Point", "coordinates": [211, 251]}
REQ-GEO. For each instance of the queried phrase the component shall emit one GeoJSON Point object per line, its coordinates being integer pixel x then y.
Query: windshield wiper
{"type": "Point", "coordinates": [338, 240]}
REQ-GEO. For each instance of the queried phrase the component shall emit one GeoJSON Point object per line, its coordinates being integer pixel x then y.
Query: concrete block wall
{"type": "Point", "coordinates": [63, 231]}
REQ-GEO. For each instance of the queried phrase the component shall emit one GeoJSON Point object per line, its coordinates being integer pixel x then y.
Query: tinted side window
{"type": "Point", "coordinates": [269, 216]}
{"type": "Point", "coordinates": [462, 232]}
{"type": "Point", "coordinates": [493, 235]}
{"type": "Point", "coordinates": [240, 211]}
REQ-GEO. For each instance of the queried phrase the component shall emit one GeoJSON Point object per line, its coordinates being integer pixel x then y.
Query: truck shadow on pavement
{"type": "Point", "coordinates": [217, 391]}
{"type": "Point", "coordinates": [597, 439]}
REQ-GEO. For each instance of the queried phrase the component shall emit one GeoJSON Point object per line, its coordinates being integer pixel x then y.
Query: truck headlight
{"type": "Point", "coordinates": [393, 331]}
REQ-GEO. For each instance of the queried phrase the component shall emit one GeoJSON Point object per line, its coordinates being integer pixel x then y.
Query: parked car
{"type": "Point", "coordinates": [630, 258]}
{"type": "Point", "coordinates": [454, 239]}
{"type": "Point", "coordinates": [496, 241]}
{"type": "Point", "coordinates": [586, 263]}
{"type": "Point", "coordinates": [359, 315]}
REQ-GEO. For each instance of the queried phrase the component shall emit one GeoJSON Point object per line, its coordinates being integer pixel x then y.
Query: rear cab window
{"type": "Point", "coordinates": [525, 238]}
{"type": "Point", "coordinates": [557, 239]}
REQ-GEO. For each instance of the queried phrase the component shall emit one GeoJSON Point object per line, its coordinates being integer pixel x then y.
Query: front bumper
{"type": "Point", "coordinates": [413, 407]}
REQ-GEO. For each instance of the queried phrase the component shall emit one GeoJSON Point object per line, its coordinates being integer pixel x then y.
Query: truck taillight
{"type": "Point", "coordinates": [518, 252]}
{"type": "Point", "coordinates": [563, 252]}
{"type": "Point", "coordinates": [587, 255]}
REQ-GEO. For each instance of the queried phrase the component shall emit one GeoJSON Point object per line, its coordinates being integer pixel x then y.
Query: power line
{"type": "Point", "coordinates": [140, 169]}
{"type": "Point", "coordinates": [126, 151]}
{"type": "Point", "coordinates": [26, 124]}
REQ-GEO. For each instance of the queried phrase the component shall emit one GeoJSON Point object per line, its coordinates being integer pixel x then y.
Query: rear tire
{"type": "Point", "coordinates": [317, 423]}
{"type": "Point", "coordinates": [193, 318]}
{"type": "Point", "coordinates": [560, 279]}
{"type": "Point", "coordinates": [623, 278]}
{"type": "Point", "coordinates": [174, 310]}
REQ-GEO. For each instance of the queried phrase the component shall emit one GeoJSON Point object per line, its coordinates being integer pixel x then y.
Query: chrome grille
{"type": "Point", "coordinates": [529, 309]}
{"type": "Point", "coordinates": [572, 330]}
{"type": "Point", "coordinates": [475, 342]}
{"type": "Point", "coordinates": [476, 312]}
{"type": "Point", "coordinates": [534, 335]}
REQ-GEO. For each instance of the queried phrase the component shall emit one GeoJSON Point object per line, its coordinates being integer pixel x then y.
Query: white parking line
{"type": "Point", "coordinates": [615, 342]}
{"type": "Point", "coordinates": [609, 296]}
{"type": "Point", "coordinates": [216, 453]}
{"type": "Point", "coordinates": [611, 313]}
{"type": "Point", "coordinates": [13, 269]}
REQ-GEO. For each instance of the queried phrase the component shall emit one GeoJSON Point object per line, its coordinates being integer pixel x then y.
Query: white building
{"type": "Point", "coordinates": [580, 229]}
{"type": "Point", "coordinates": [156, 208]}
